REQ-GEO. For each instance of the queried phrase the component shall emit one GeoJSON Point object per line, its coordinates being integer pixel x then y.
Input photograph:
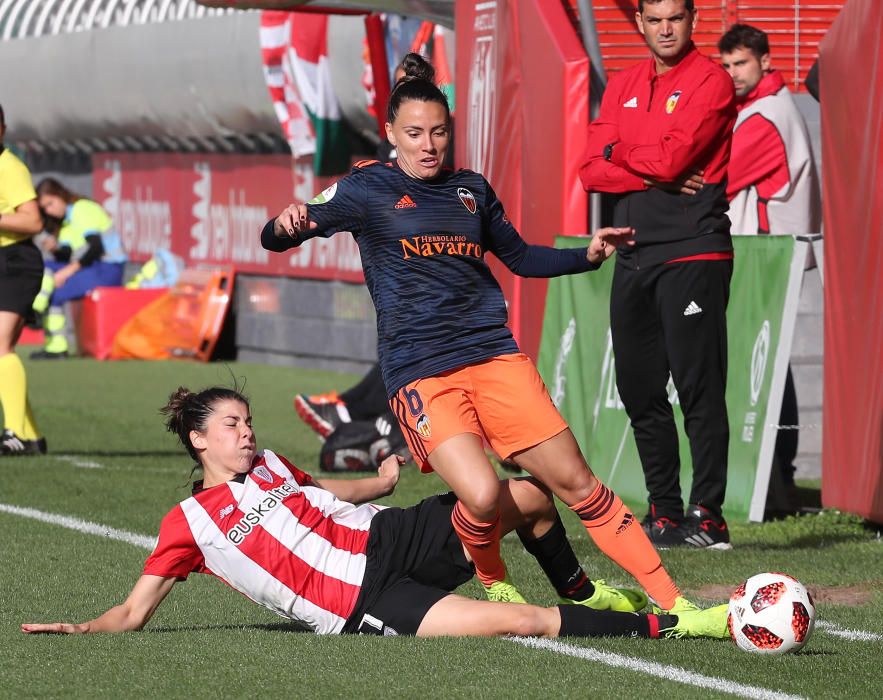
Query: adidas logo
{"type": "Point", "coordinates": [631, 103]}
{"type": "Point", "coordinates": [626, 521]}
{"type": "Point", "coordinates": [405, 203]}
{"type": "Point", "coordinates": [692, 308]}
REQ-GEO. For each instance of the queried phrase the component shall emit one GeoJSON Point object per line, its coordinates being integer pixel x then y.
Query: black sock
{"type": "Point", "coordinates": [558, 560]}
{"type": "Point", "coordinates": [580, 621]}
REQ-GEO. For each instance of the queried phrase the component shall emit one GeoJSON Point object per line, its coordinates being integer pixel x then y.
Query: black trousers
{"type": "Point", "coordinates": [671, 319]}
{"type": "Point", "coordinates": [367, 399]}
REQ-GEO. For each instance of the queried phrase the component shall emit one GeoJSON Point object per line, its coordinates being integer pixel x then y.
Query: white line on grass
{"type": "Point", "coordinates": [847, 633]}
{"type": "Point", "coordinates": [89, 528]}
{"type": "Point", "coordinates": [89, 464]}
{"type": "Point", "coordinates": [672, 673]}
{"type": "Point", "coordinates": [669, 673]}
{"type": "Point", "coordinates": [77, 462]}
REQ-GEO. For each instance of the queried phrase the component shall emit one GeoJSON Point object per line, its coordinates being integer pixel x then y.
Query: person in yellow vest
{"type": "Point", "coordinates": [87, 252]}
{"type": "Point", "coordinates": [21, 267]}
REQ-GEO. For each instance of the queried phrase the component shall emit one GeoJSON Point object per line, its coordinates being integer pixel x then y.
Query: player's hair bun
{"type": "Point", "coordinates": [418, 83]}
{"type": "Point", "coordinates": [417, 68]}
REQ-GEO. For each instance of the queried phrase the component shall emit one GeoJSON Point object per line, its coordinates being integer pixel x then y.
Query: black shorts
{"type": "Point", "coordinates": [414, 560]}
{"type": "Point", "coordinates": [21, 274]}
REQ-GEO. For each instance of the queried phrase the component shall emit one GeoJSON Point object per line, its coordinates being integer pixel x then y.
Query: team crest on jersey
{"type": "Point", "coordinates": [226, 510]}
{"type": "Point", "coordinates": [672, 101]}
{"type": "Point", "coordinates": [424, 427]}
{"type": "Point", "coordinates": [263, 473]}
{"type": "Point", "coordinates": [468, 199]}
{"type": "Point", "coordinates": [325, 195]}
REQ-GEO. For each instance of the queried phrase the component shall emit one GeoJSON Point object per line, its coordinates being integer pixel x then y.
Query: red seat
{"type": "Point", "coordinates": [104, 311]}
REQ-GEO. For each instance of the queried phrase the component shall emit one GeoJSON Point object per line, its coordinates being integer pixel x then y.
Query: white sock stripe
{"type": "Point", "coordinates": [653, 668]}
{"type": "Point", "coordinates": [84, 526]}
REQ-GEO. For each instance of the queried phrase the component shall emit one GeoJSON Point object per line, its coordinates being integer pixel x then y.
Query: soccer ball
{"type": "Point", "coordinates": [771, 613]}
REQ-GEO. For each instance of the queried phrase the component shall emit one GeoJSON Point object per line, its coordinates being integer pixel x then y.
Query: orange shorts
{"type": "Point", "coordinates": [502, 399]}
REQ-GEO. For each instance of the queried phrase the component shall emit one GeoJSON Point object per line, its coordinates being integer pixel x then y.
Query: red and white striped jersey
{"type": "Point", "coordinates": [276, 537]}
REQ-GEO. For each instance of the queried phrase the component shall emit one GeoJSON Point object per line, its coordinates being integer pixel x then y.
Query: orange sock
{"type": "Point", "coordinates": [482, 541]}
{"type": "Point", "coordinates": [619, 535]}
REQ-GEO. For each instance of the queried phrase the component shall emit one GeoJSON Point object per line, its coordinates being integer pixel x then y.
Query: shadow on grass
{"type": "Point", "coordinates": [264, 627]}
{"type": "Point", "coordinates": [816, 652]}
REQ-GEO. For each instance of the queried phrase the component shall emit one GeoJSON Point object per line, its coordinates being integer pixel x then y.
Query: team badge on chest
{"type": "Point", "coordinates": [264, 474]}
{"type": "Point", "coordinates": [467, 198]}
{"type": "Point", "coordinates": [672, 101]}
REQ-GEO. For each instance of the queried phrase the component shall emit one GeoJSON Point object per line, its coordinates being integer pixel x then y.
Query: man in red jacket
{"type": "Point", "coordinates": [661, 144]}
{"type": "Point", "coordinates": [772, 183]}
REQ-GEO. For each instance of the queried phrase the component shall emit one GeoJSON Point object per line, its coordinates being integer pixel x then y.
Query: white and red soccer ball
{"type": "Point", "coordinates": [771, 613]}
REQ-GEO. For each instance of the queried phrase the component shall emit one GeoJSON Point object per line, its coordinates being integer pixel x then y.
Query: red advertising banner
{"type": "Point", "coordinates": [852, 162]}
{"type": "Point", "coordinates": [523, 109]}
{"type": "Point", "coordinates": [209, 209]}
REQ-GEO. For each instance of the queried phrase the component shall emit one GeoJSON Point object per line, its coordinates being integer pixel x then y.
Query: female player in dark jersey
{"type": "Point", "coordinates": [292, 545]}
{"type": "Point", "coordinates": [452, 369]}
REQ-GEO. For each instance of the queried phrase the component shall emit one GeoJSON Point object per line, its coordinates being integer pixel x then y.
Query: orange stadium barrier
{"type": "Point", "coordinates": [851, 64]}
{"type": "Point", "coordinates": [184, 323]}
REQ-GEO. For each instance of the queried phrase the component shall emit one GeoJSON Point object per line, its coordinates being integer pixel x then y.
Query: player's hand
{"type": "Point", "coordinates": [293, 221]}
{"type": "Point", "coordinates": [606, 240]}
{"type": "Point", "coordinates": [54, 628]}
{"type": "Point", "coordinates": [389, 469]}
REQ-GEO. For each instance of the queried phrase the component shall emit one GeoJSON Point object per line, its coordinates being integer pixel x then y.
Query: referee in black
{"type": "Point", "coordinates": [661, 144]}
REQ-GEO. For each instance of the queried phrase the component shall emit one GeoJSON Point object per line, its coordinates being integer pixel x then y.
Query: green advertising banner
{"type": "Point", "coordinates": [576, 361]}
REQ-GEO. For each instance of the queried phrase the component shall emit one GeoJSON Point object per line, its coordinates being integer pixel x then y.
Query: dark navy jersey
{"type": "Point", "coordinates": [423, 246]}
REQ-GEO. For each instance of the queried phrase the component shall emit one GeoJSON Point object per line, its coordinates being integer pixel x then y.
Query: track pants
{"type": "Point", "coordinates": [665, 319]}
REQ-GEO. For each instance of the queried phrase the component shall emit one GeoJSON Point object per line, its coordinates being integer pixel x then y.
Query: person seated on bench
{"type": "Point", "coordinates": [86, 252]}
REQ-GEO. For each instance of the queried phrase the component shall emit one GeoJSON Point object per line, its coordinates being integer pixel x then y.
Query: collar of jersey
{"type": "Point", "coordinates": [197, 485]}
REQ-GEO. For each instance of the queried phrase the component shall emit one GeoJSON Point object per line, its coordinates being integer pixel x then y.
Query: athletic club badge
{"type": "Point", "coordinates": [424, 427]}
{"type": "Point", "coordinates": [467, 198]}
{"type": "Point", "coordinates": [672, 101]}
{"type": "Point", "coordinates": [263, 473]}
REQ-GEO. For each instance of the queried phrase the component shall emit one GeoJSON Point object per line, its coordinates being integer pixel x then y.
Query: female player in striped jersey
{"type": "Point", "coordinates": [452, 369]}
{"type": "Point", "coordinates": [296, 547]}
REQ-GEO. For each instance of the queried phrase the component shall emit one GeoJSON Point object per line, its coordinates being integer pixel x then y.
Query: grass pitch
{"type": "Point", "coordinates": [111, 463]}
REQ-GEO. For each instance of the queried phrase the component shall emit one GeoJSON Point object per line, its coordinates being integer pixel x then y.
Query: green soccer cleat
{"type": "Point", "coordinates": [503, 592]}
{"type": "Point", "coordinates": [681, 605]}
{"type": "Point", "coordinates": [710, 623]}
{"type": "Point", "coordinates": [609, 598]}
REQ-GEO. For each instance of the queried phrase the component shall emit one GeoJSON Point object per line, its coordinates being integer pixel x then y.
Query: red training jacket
{"type": "Point", "coordinates": [663, 127]}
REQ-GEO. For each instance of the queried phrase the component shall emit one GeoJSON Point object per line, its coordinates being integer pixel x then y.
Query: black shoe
{"type": "Point", "coordinates": [704, 530]}
{"type": "Point", "coordinates": [664, 532]}
{"type": "Point", "coordinates": [46, 355]}
{"type": "Point", "coordinates": [324, 413]}
{"type": "Point", "coordinates": [12, 445]}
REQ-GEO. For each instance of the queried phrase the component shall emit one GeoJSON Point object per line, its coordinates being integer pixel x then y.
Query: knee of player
{"type": "Point", "coordinates": [534, 621]}
{"type": "Point", "coordinates": [482, 501]}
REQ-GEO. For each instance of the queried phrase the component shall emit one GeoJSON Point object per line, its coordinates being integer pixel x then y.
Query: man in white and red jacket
{"type": "Point", "coordinates": [772, 181]}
